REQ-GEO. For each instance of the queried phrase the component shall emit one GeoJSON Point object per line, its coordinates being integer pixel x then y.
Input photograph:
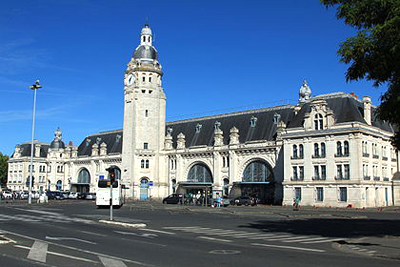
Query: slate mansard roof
{"type": "Point", "coordinates": [25, 149]}
{"type": "Point", "coordinates": [113, 139]}
{"type": "Point", "coordinates": [346, 108]}
{"type": "Point", "coordinates": [263, 127]}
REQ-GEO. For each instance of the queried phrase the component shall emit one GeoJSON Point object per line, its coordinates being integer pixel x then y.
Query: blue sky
{"type": "Point", "coordinates": [217, 56]}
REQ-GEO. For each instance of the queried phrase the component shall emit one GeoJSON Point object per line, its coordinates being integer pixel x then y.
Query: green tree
{"type": "Point", "coordinates": [374, 53]}
{"type": "Point", "coordinates": [3, 168]}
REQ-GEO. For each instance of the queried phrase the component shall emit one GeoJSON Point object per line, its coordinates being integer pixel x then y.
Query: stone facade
{"type": "Point", "coordinates": [328, 150]}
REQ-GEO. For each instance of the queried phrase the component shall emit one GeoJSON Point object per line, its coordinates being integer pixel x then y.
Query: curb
{"type": "Point", "coordinates": [354, 250]}
{"type": "Point", "coordinates": [131, 225]}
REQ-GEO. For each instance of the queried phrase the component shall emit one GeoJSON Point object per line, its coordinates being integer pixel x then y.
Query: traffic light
{"type": "Point", "coordinates": [111, 173]}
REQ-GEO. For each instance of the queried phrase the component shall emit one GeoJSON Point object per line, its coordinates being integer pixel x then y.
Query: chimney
{"type": "Point", "coordinates": [367, 109]}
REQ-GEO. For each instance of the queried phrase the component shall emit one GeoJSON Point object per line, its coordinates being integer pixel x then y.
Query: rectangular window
{"type": "Point", "coordinates": [301, 172]}
{"type": "Point", "coordinates": [145, 145]}
{"type": "Point", "coordinates": [323, 171]}
{"type": "Point", "coordinates": [320, 194]}
{"type": "Point", "coordinates": [297, 193]}
{"type": "Point", "coordinates": [316, 172]}
{"type": "Point", "coordinates": [346, 171]}
{"type": "Point", "coordinates": [343, 194]}
{"type": "Point", "coordinates": [295, 173]}
{"type": "Point", "coordinates": [339, 174]}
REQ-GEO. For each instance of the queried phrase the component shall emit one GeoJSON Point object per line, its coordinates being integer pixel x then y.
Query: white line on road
{"type": "Point", "coordinates": [38, 251]}
{"type": "Point", "coordinates": [136, 234]}
{"type": "Point", "coordinates": [214, 239]}
{"type": "Point", "coordinates": [287, 247]}
{"type": "Point", "coordinates": [156, 231]}
{"type": "Point", "coordinates": [322, 241]}
{"type": "Point", "coordinates": [70, 238]}
{"type": "Point", "coordinates": [91, 233]}
{"type": "Point", "coordinates": [59, 254]}
{"type": "Point", "coordinates": [107, 262]}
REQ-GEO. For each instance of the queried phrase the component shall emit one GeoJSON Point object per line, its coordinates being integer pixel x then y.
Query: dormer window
{"type": "Point", "coordinates": [198, 128]}
{"type": "Point", "coordinates": [253, 122]}
{"type": "Point", "coordinates": [318, 122]}
{"type": "Point", "coordinates": [144, 38]}
{"type": "Point", "coordinates": [217, 124]}
{"type": "Point", "coordinates": [277, 118]}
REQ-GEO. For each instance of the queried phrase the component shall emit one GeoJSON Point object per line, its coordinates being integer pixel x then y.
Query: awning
{"type": "Point", "coordinates": [256, 183]}
{"type": "Point", "coordinates": [194, 184]}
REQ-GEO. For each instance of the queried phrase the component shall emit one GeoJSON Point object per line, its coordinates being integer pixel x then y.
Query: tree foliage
{"type": "Point", "coordinates": [374, 53]}
{"type": "Point", "coordinates": [3, 168]}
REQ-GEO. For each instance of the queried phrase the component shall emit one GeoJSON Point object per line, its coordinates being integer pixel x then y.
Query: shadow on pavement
{"type": "Point", "coordinates": [340, 228]}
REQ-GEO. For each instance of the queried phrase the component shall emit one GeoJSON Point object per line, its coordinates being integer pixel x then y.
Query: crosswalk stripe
{"type": "Point", "coordinates": [38, 251]}
{"type": "Point", "coordinates": [108, 262]}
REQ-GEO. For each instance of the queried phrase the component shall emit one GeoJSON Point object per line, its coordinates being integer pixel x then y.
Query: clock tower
{"type": "Point", "coordinates": [144, 121]}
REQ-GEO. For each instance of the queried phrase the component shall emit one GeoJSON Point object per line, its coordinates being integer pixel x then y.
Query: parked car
{"type": "Point", "coordinates": [35, 194]}
{"type": "Point", "coordinates": [224, 202]}
{"type": "Point", "coordinates": [171, 199]}
{"type": "Point", "coordinates": [91, 196]}
{"type": "Point", "coordinates": [23, 194]}
{"type": "Point", "coordinates": [73, 195]}
{"type": "Point", "coordinates": [54, 195]}
{"type": "Point", "coordinates": [7, 194]}
{"type": "Point", "coordinates": [244, 201]}
{"type": "Point", "coordinates": [59, 195]}
{"type": "Point", "coordinates": [65, 194]}
{"type": "Point", "coordinates": [82, 195]}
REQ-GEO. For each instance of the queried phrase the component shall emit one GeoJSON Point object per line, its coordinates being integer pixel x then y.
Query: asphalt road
{"type": "Point", "coordinates": [69, 233]}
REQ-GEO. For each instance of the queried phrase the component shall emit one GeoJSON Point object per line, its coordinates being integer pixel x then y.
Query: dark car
{"type": "Point", "coordinates": [54, 195]}
{"type": "Point", "coordinates": [244, 201]}
{"type": "Point", "coordinates": [171, 199]}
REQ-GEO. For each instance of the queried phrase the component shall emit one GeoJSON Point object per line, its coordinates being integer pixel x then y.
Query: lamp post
{"type": "Point", "coordinates": [34, 87]}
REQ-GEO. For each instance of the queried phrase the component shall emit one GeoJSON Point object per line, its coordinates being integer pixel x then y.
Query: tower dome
{"type": "Point", "coordinates": [146, 50]}
{"type": "Point", "coordinates": [57, 143]}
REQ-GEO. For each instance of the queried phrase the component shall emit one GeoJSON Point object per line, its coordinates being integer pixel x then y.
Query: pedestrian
{"type": "Point", "coordinates": [296, 204]}
{"type": "Point", "coordinates": [218, 201]}
{"type": "Point", "coordinates": [180, 199]}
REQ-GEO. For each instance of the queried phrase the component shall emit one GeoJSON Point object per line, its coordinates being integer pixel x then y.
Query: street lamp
{"type": "Point", "coordinates": [34, 87]}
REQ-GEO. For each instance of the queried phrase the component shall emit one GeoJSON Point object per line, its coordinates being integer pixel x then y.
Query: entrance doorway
{"type": "Point", "coordinates": [144, 189]}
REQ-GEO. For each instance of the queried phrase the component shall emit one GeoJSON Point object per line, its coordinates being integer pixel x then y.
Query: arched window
{"type": "Point", "coordinates": [316, 150]}
{"type": "Point", "coordinates": [339, 148]}
{"type": "Point", "coordinates": [226, 187]}
{"type": "Point", "coordinates": [200, 173]}
{"type": "Point", "coordinates": [301, 151]}
{"type": "Point", "coordinates": [295, 151]}
{"type": "Point", "coordinates": [144, 38]}
{"type": "Point", "coordinates": [148, 39]}
{"type": "Point", "coordinates": [346, 148]}
{"type": "Point", "coordinates": [84, 177]}
{"type": "Point", "coordinates": [323, 150]}
{"type": "Point", "coordinates": [59, 185]}
{"type": "Point", "coordinates": [258, 171]}
{"type": "Point", "coordinates": [318, 122]}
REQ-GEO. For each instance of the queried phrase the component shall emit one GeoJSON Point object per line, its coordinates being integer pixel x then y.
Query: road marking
{"type": "Point", "coordinates": [322, 241]}
{"type": "Point", "coordinates": [224, 252]}
{"type": "Point", "coordinates": [276, 238]}
{"type": "Point", "coordinates": [70, 238]}
{"type": "Point", "coordinates": [214, 239]}
{"type": "Point", "coordinates": [307, 239]}
{"type": "Point", "coordinates": [59, 254]}
{"type": "Point", "coordinates": [262, 236]}
{"type": "Point", "coordinates": [287, 247]}
{"type": "Point", "coordinates": [91, 233]}
{"type": "Point", "coordinates": [136, 234]}
{"type": "Point", "coordinates": [156, 231]}
{"type": "Point", "coordinates": [38, 251]}
{"type": "Point", "coordinates": [80, 250]}
{"type": "Point", "coordinates": [107, 262]}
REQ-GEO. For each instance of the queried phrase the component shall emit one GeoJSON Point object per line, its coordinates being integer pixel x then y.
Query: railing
{"type": "Point", "coordinates": [296, 157]}
{"type": "Point", "coordinates": [319, 178]}
{"type": "Point", "coordinates": [342, 178]}
{"type": "Point", "coordinates": [367, 178]}
{"type": "Point", "coordinates": [342, 155]}
{"type": "Point", "coordinates": [296, 178]}
{"type": "Point", "coordinates": [377, 178]}
{"type": "Point", "coordinates": [318, 156]}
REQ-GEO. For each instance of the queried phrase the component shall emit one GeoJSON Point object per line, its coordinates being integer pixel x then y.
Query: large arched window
{"type": "Point", "coordinates": [200, 173]}
{"type": "Point", "coordinates": [316, 150]}
{"type": "Point", "coordinates": [294, 152]}
{"type": "Point", "coordinates": [346, 148]}
{"type": "Point", "coordinates": [59, 185]}
{"type": "Point", "coordinates": [257, 171]}
{"type": "Point", "coordinates": [84, 177]}
{"type": "Point", "coordinates": [301, 151]}
{"type": "Point", "coordinates": [339, 148]}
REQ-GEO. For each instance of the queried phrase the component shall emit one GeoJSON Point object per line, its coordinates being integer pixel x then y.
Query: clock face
{"type": "Point", "coordinates": [130, 79]}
